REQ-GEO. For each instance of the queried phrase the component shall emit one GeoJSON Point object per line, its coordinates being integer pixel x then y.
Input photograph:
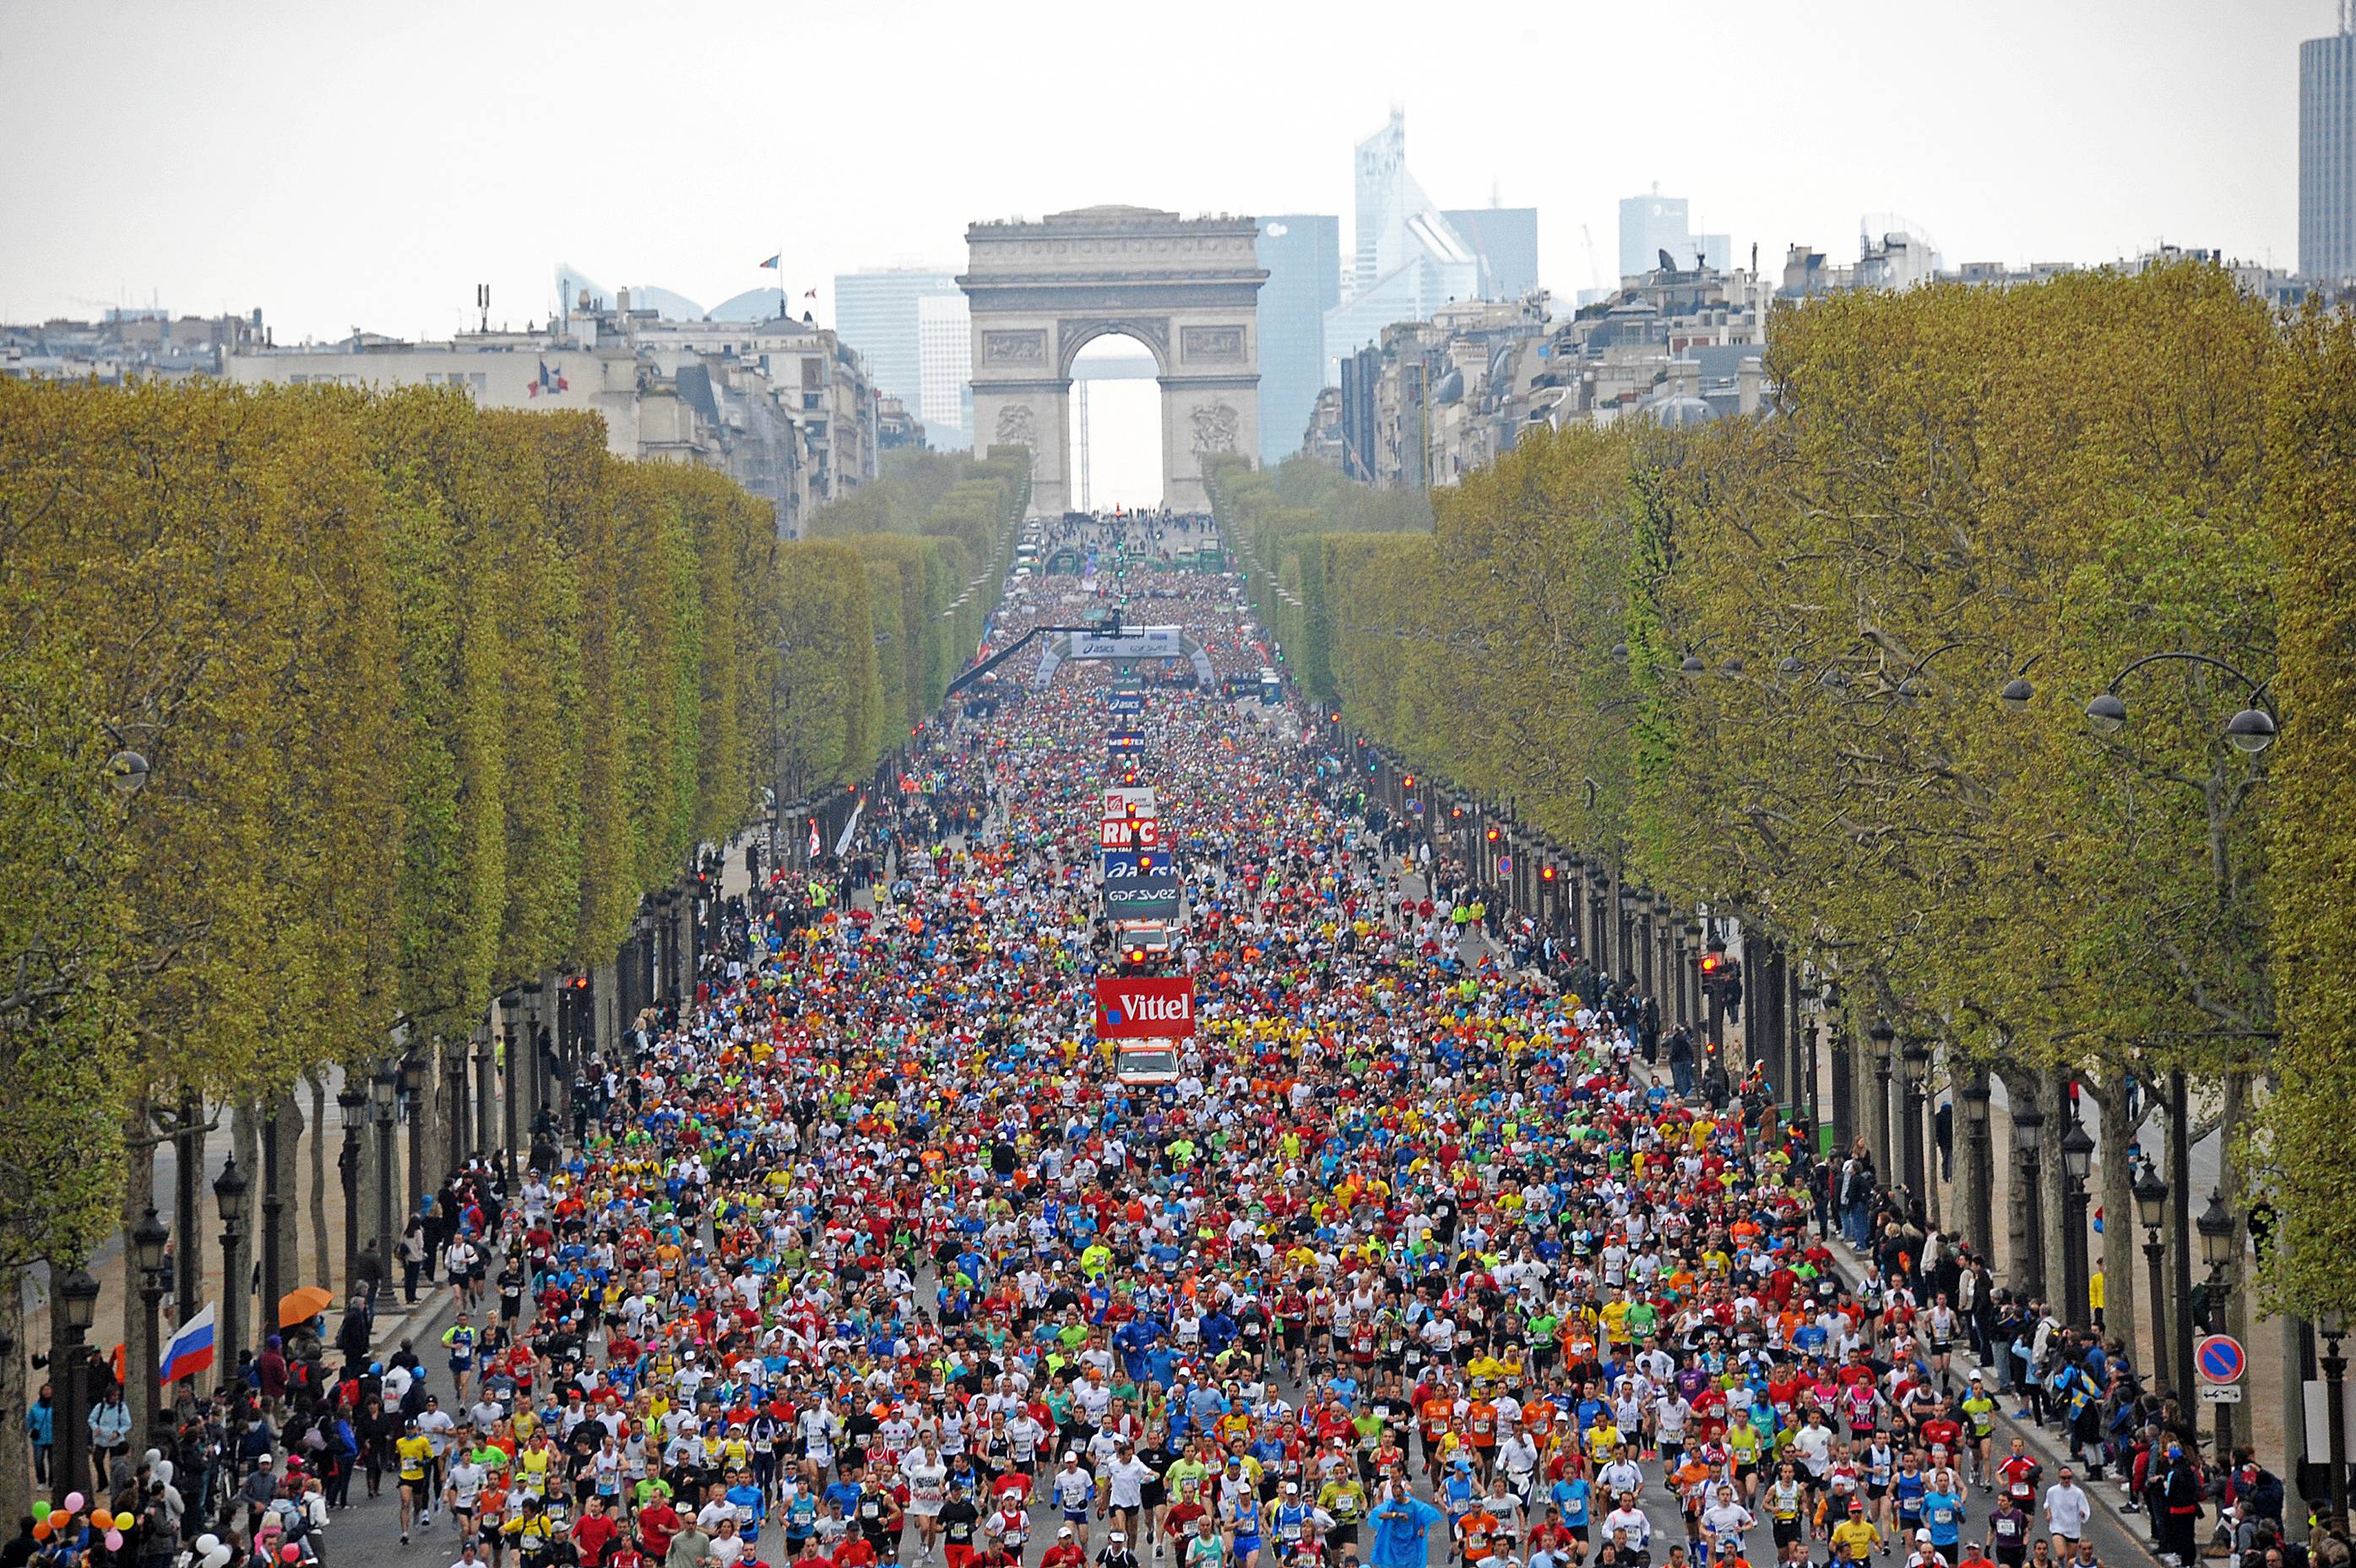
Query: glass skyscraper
{"type": "Point", "coordinates": [875, 314]}
{"type": "Point", "coordinates": [1302, 253]}
{"type": "Point", "coordinates": [2327, 155]}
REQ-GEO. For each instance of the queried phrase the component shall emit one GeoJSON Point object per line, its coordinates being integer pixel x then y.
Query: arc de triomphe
{"type": "Point", "coordinates": [1186, 288]}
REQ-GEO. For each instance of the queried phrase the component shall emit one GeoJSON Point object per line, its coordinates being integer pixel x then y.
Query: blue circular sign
{"type": "Point", "coordinates": [2219, 1358]}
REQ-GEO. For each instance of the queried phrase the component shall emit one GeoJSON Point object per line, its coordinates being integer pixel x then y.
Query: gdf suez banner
{"type": "Point", "coordinates": [1145, 1009]}
{"type": "Point", "coordinates": [1154, 895]}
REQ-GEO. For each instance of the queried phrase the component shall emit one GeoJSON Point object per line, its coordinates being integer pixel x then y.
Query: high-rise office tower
{"type": "Point", "coordinates": [1410, 259]}
{"type": "Point", "coordinates": [1653, 223]}
{"type": "Point", "coordinates": [875, 314]}
{"type": "Point", "coordinates": [1506, 240]}
{"type": "Point", "coordinates": [1302, 253]}
{"type": "Point", "coordinates": [2327, 153]}
{"type": "Point", "coordinates": [945, 353]}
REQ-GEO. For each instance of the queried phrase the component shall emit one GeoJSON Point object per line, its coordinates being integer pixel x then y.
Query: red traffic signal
{"type": "Point", "coordinates": [1711, 962]}
{"type": "Point", "coordinates": [1493, 836]}
{"type": "Point", "coordinates": [1546, 873]}
{"type": "Point", "coordinates": [1409, 781]}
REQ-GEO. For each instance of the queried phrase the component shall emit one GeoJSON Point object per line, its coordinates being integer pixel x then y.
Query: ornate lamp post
{"type": "Point", "coordinates": [352, 1107]}
{"type": "Point", "coordinates": [1915, 1064]}
{"type": "Point", "coordinates": [2333, 1324]}
{"type": "Point", "coordinates": [148, 1238]}
{"type": "Point", "coordinates": [1978, 1221]}
{"type": "Point", "coordinates": [2077, 1160]}
{"type": "Point", "coordinates": [384, 1092]}
{"type": "Point", "coordinates": [70, 1367]}
{"type": "Point", "coordinates": [2218, 1250]}
{"type": "Point", "coordinates": [1885, 1063]}
{"type": "Point", "coordinates": [412, 1099]}
{"type": "Point", "coordinates": [2027, 1128]}
{"type": "Point", "coordinates": [2151, 1210]}
{"type": "Point", "coordinates": [228, 1192]}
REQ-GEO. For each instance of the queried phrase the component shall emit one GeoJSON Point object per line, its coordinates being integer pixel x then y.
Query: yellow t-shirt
{"type": "Point", "coordinates": [1855, 1538]}
{"type": "Point", "coordinates": [413, 1453]}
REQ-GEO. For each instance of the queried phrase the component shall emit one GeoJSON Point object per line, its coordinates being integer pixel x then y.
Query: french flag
{"type": "Point", "coordinates": [190, 1350]}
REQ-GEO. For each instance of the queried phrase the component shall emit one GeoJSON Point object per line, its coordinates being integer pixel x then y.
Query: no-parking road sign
{"type": "Point", "coordinates": [2218, 1359]}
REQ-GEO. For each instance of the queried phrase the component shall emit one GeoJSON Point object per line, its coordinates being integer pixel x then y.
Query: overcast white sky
{"type": "Point", "coordinates": [341, 165]}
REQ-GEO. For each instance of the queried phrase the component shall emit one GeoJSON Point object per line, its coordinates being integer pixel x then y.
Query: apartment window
{"type": "Point", "coordinates": [813, 375]}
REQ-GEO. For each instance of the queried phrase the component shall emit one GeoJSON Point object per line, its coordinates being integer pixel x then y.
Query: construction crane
{"type": "Point", "coordinates": [1594, 273]}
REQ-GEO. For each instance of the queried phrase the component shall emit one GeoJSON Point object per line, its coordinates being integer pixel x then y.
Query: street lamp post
{"type": "Point", "coordinates": [412, 1099]}
{"type": "Point", "coordinates": [352, 1106]}
{"type": "Point", "coordinates": [1884, 1065]}
{"type": "Point", "coordinates": [1979, 1222]}
{"type": "Point", "coordinates": [2077, 1161]}
{"type": "Point", "coordinates": [486, 1085]}
{"type": "Point", "coordinates": [2333, 1324]}
{"type": "Point", "coordinates": [2027, 1126]}
{"type": "Point", "coordinates": [148, 1238]}
{"type": "Point", "coordinates": [384, 1091]}
{"type": "Point", "coordinates": [70, 1368]}
{"type": "Point", "coordinates": [2151, 1209]}
{"type": "Point", "coordinates": [2217, 1249]}
{"type": "Point", "coordinates": [228, 1192]}
{"type": "Point", "coordinates": [1915, 1064]}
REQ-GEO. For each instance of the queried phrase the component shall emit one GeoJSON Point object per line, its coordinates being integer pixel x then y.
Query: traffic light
{"type": "Point", "coordinates": [1492, 834]}
{"type": "Point", "coordinates": [1713, 966]}
{"type": "Point", "coordinates": [1546, 873]}
{"type": "Point", "coordinates": [1408, 782]}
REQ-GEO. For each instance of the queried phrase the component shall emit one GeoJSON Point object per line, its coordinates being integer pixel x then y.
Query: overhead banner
{"type": "Point", "coordinates": [1121, 863]}
{"type": "Point", "coordinates": [1154, 895]}
{"type": "Point", "coordinates": [1133, 800]}
{"type": "Point", "coordinates": [1128, 643]}
{"type": "Point", "coordinates": [1126, 702]}
{"type": "Point", "coordinates": [1145, 1008]}
{"type": "Point", "coordinates": [1130, 833]}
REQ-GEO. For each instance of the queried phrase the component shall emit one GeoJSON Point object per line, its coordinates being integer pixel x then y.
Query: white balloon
{"type": "Point", "coordinates": [218, 1557]}
{"type": "Point", "coordinates": [205, 1542]}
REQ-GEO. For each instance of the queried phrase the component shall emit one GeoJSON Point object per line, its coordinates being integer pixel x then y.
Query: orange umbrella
{"type": "Point", "coordinates": [302, 1306]}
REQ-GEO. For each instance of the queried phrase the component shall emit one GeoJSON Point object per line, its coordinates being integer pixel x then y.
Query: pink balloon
{"type": "Point", "coordinates": [74, 1501]}
{"type": "Point", "coordinates": [115, 1541]}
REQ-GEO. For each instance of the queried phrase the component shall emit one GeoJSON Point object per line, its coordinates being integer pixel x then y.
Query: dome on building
{"type": "Point", "coordinates": [1678, 413]}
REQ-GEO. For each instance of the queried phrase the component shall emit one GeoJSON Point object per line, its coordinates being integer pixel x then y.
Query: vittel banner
{"type": "Point", "coordinates": [1145, 1008]}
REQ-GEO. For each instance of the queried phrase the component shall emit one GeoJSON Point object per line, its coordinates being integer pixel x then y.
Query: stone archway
{"type": "Point", "coordinates": [1185, 288]}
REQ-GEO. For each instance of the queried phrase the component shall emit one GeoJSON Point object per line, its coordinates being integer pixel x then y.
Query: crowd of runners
{"type": "Point", "coordinates": [870, 1258]}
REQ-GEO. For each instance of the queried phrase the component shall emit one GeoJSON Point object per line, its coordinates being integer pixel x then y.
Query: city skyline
{"type": "Point", "coordinates": [2124, 127]}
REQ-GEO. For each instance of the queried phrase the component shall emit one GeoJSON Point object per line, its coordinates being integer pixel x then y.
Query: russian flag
{"type": "Point", "coordinates": [189, 1351]}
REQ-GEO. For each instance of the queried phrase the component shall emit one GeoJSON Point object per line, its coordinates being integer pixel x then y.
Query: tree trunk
{"type": "Point", "coordinates": [245, 1145]}
{"type": "Point", "coordinates": [15, 1397]}
{"type": "Point", "coordinates": [289, 1122]}
{"type": "Point", "coordinates": [324, 1270]}
{"type": "Point", "coordinates": [2121, 1261]}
